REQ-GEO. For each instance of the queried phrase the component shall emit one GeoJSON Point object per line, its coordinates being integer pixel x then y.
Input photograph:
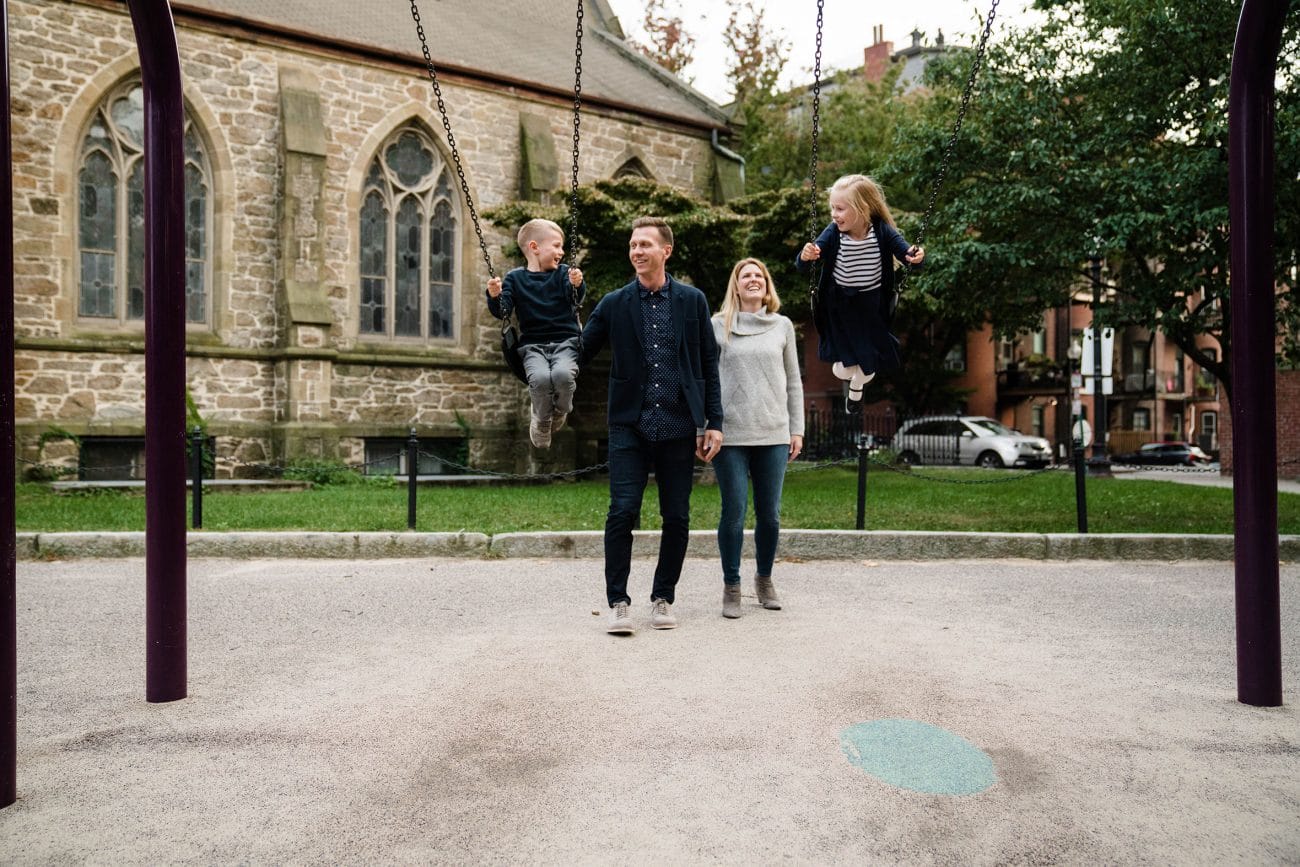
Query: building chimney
{"type": "Point", "coordinates": [876, 56]}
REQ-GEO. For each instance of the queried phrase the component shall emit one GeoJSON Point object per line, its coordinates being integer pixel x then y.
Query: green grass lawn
{"type": "Point", "coordinates": [816, 499]}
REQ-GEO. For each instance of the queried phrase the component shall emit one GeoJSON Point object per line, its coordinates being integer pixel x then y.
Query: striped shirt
{"type": "Point", "coordinates": [858, 264]}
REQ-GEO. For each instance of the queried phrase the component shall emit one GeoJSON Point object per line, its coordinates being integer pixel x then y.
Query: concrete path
{"type": "Point", "coordinates": [1200, 477]}
{"type": "Point", "coordinates": [453, 711]}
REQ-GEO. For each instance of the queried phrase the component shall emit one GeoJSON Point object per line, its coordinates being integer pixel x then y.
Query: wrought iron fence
{"type": "Point", "coordinates": [833, 434]}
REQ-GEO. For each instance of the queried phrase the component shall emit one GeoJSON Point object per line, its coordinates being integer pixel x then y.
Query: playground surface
{"type": "Point", "coordinates": [473, 710]}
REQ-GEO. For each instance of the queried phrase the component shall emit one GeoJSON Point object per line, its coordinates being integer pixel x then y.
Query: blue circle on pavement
{"type": "Point", "coordinates": [918, 756]}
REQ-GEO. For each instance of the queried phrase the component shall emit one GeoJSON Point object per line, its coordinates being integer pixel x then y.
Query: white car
{"type": "Point", "coordinates": [968, 439]}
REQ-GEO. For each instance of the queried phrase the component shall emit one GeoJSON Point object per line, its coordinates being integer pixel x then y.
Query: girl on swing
{"type": "Point", "coordinates": [856, 291]}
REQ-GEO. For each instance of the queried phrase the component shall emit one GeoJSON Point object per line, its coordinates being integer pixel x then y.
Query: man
{"type": "Point", "coordinates": [665, 409]}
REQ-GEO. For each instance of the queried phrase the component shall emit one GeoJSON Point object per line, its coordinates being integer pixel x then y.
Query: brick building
{"type": "Point", "coordinates": [334, 282]}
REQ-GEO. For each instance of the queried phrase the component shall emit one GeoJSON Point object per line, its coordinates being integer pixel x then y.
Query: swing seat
{"type": "Point", "coordinates": [510, 352]}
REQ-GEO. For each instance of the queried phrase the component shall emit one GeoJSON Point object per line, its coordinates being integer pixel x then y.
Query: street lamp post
{"type": "Point", "coordinates": [1100, 463]}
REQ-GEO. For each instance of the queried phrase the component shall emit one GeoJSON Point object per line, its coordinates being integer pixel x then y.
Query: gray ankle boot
{"type": "Point", "coordinates": [767, 593]}
{"type": "Point", "coordinates": [731, 601]}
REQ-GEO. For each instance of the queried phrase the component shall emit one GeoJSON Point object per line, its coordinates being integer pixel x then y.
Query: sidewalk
{"type": "Point", "coordinates": [434, 710]}
{"type": "Point", "coordinates": [1214, 480]}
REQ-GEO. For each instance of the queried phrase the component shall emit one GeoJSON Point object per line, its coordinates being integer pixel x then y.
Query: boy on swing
{"type": "Point", "coordinates": [544, 296]}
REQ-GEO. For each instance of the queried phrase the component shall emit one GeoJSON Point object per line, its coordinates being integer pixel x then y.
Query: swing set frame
{"type": "Point", "coordinates": [1251, 191]}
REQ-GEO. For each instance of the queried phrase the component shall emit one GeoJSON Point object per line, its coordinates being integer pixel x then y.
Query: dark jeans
{"type": "Point", "coordinates": [735, 466]}
{"type": "Point", "coordinates": [631, 458]}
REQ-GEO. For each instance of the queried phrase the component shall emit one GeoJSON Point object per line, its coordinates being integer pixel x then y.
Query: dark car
{"type": "Point", "coordinates": [1165, 454]}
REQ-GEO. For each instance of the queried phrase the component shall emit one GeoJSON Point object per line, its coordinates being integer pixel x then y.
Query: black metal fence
{"type": "Point", "coordinates": [833, 434]}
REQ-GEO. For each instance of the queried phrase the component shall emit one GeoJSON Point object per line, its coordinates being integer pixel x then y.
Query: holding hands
{"type": "Point", "coordinates": [706, 447]}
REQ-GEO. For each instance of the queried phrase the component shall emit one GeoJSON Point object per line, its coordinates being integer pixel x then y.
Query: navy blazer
{"type": "Point", "coordinates": [892, 246]}
{"type": "Point", "coordinates": [617, 320]}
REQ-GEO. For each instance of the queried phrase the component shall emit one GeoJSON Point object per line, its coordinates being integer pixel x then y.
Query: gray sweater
{"type": "Point", "coordinates": [762, 395]}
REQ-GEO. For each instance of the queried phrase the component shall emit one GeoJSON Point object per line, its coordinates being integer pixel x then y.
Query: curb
{"type": "Point", "coordinates": [589, 544]}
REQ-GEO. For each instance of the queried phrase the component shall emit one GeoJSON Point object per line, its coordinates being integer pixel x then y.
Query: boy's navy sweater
{"type": "Point", "coordinates": [543, 302]}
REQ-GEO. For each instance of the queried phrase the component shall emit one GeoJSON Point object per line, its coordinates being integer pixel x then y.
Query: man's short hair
{"type": "Point", "coordinates": [534, 230]}
{"type": "Point", "coordinates": [665, 231]}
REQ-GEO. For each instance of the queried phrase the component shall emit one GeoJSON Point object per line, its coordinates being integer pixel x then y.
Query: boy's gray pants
{"type": "Point", "coordinates": [552, 370]}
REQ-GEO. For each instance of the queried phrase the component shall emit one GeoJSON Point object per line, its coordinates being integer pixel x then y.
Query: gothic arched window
{"type": "Point", "coordinates": [409, 233]}
{"type": "Point", "coordinates": [633, 168]}
{"type": "Point", "coordinates": [110, 214]}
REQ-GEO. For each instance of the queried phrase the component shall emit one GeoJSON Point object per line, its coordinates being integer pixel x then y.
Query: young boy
{"type": "Point", "coordinates": [541, 296]}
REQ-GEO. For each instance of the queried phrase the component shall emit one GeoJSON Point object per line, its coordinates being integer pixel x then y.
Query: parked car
{"type": "Point", "coordinates": [968, 439]}
{"type": "Point", "coordinates": [1165, 454]}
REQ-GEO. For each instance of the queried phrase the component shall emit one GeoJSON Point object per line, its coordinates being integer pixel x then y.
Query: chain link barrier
{"type": "Point", "coordinates": [263, 470]}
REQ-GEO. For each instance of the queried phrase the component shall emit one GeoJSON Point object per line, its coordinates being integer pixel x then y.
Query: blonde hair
{"type": "Point", "coordinates": [730, 304]}
{"type": "Point", "coordinates": [865, 197]}
{"type": "Point", "coordinates": [534, 230]}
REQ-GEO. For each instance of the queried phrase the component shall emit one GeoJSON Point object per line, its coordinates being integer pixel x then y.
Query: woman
{"type": "Point", "coordinates": [762, 408]}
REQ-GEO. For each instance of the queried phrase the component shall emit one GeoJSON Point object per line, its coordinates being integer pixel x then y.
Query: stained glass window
{"type": "Point", "coordinates": [408, 234]}
{"type": "Point", "coordinates": [110, 213]}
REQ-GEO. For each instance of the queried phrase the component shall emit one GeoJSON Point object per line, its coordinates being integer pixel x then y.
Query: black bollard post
{"type": "Point", "coordinates": [196, 472]}
{"type": "Point", "coordinates": [412, 465]}
{"type": "Point", "coordinates": [1080, 487]}
{"type": "Point", "coordinates": [862, 481]}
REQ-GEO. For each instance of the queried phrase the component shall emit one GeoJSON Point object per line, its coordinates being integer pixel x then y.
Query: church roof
{"type": "Point", "coordinates": [526, 42]}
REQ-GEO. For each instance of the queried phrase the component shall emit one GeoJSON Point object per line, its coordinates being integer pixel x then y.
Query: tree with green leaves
{"type": "Point", "coordinates": [1103, 131]}
{"type": "Point", "coordinates": [857, 119]}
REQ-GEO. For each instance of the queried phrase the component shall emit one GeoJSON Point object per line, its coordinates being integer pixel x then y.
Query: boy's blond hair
{"type": "Point", "coordinates": [865, 197]}
{"type": "Point", "coordinates": [535, 230]}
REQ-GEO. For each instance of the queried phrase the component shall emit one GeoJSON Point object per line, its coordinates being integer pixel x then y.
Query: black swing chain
{"type": "Point", "coordinates": [451, 139]}
{"type": "Point", "coordinates": [942, 174]}
{"type": "Point", "coordinates": [812, 168]}
{"type": "Point", "coordinates": [577, 128]}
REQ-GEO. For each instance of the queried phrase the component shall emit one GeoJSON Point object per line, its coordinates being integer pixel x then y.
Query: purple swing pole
{"type": "Point", "coordinates": [164, 365]}
{"type": "Point", "coordinates": [1254, 397]}
{"type": "Point", "coordinates": [8, 585]}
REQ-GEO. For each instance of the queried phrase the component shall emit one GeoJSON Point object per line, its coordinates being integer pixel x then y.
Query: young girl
{"type": "Point", "coordinates": [856, 288]}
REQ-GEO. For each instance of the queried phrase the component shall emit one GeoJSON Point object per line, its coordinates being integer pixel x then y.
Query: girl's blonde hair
{"type": "Point", "coordinates": [730, 304]}
{"type": "Point", "coordinates": [865, 197]}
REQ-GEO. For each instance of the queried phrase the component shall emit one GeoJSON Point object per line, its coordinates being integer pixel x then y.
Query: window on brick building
{"type": "Point", "coordinates": [409, 234]}
{"type": "Point", "coordinates": [110, 214]}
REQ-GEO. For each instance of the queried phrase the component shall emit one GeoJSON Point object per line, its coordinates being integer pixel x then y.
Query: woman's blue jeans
{"type": "Point", "coordinates": [736, 467]}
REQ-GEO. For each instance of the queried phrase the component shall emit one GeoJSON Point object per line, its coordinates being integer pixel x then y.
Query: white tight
{"type": "Point", "coordinates": [857, 379]}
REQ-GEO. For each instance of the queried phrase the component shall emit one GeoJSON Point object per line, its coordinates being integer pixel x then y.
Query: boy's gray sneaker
{"type": "Point", "coordinates": [620, 621]}
{"type": "Point", "coordinates": [767, 593]}
{"type": "Point", "coordinates": [731, 601]}
{"type": "Point", "coordinates": [539, 431]}
{"type": "Point", "coordinates": [558, 420]}
{"type": "Point", "coordinates": [661, 614]}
